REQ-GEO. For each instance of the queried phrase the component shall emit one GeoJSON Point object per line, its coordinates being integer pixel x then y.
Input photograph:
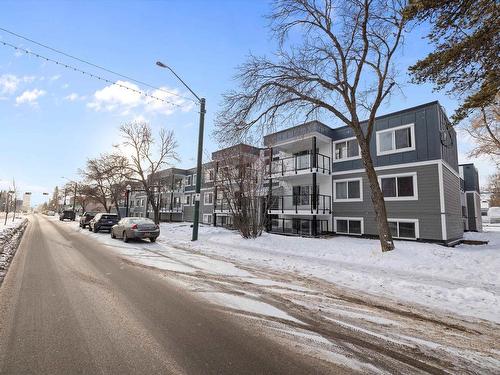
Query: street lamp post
{"type": "Point", "coordinates": [129, 188]}
{"type": "Point", "coordinates": [202, 102]}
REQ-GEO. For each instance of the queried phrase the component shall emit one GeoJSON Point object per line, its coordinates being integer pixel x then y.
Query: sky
{"type": "Point", "coordinates": [53, 119]}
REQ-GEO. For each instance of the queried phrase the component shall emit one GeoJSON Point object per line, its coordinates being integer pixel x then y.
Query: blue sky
{"type": "Point", "coordinates": [52, 119]}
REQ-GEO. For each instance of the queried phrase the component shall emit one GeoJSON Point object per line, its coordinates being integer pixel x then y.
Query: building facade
{"type": "Point", "coordinates": [316, 183]}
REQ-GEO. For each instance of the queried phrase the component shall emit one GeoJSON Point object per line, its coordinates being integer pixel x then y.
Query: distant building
{"type": "Point", "coordinates": [26, 207]}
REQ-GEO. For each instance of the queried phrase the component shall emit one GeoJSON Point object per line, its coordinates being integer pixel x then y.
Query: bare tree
{"type": "Point", "coordinates": [148, 156]}
{"type": "Point", "coordinates": [107, 176]}
{"type": "Point", "coordinates": [485, 130]}
{"type": "Point", "coordinates": [85, 195]}
{"type": "Point", "coordinates": [240, 182]}
{"type": "Point", "coordinates": [342, 67]}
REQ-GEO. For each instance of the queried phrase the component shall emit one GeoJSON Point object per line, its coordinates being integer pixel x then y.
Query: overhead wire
{"type": "Point", "coordinates": [93, 65]}
{"type": "Point", "coordinates": [92, 75]}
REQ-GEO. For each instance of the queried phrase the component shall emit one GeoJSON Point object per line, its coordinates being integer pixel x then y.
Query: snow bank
{"type": "Point", "coordinates": [463, 280]}
{"type": "Point", "coordinates": [10, 235]}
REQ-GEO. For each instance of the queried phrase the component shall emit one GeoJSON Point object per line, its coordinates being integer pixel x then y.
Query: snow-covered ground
{"type": "Point", "coordinates": [420, 298]}
{"type": "Point", "coordinates": [463, 280]}
{"type": "Point", "coordinates": [10, 224]}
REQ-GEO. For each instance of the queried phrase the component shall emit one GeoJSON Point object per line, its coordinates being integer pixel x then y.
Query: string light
{"type": "Point", "coordinates": [94, 65]}
{"type": "Point", "coordinates": [91, 75]}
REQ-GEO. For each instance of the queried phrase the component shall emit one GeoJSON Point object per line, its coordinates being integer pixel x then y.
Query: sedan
{"type": "Point", "coordinates": [135, 227]}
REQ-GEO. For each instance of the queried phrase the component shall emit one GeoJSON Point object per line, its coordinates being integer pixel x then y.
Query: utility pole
{"type": "Point", "coordinates": [74, 200]}
{"type": "Point", "coordinates": [202, 103]}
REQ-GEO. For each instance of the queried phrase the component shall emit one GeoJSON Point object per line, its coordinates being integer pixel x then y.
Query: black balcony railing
{"type": "Point", "coordinates": [296, 163]}
{"type": "Point", "coordinates": [302, 202]}
{"type": "Point", "coordinates": [221, 205]}
{"type": "Point", "coordinates": [175, 207]}
{"type": "Point", "coordinates": [302, 227]}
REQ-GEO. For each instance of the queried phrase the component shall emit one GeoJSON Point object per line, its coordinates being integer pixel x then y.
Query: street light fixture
{"type": "Point", "coordinates": [202, 102]}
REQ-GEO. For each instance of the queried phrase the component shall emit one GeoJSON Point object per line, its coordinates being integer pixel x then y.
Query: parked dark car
{"type": "Point", "coordinates": [135, 227]}
{"type": "Point", "coordinates": [67, 215]}
{"type": "Point", "coordinates": [103, 221]}
{"type": "Point", "coordinates": [85, 218]}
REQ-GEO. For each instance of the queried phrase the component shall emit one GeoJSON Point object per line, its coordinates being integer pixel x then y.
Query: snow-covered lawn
{"type": "Point", "coordinates": [463, 280]}
{"type": "Point", "coordinates": [10, 224]}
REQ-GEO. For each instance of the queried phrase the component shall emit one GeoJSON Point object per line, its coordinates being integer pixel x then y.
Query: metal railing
{"type": "Point", "coordinates": [302, 227]}
{"type": "Point", "coordinates": [302, 202]}
{"type": "Point", "coordinates": [296, 163]}
{"type": "Point", "coordinates": [174, 207]}
{"type": "Point", "coordinates": [221, 205]}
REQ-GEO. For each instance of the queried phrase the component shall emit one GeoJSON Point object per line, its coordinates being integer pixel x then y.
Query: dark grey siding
{"type": "Point", "coordinates": [427, 140]}
{"type": "Point", "coordinates": [448, 140]}
{"type": "Point", "coordinates": [452, 205]}
{"type": "Point", "coordinates": [471, 177]}
{"type": "Point", "coordinates": [426, 209]}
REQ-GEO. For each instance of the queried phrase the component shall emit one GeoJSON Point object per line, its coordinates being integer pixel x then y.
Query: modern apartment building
{"type": "Point", "coordinates": [317, 183]}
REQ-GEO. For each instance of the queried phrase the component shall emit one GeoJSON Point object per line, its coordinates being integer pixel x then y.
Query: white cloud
{"type": "Point", "coordinates": [114, 98]}
{"type": "Point", "coordinates": [30, 96]}
{"type": "Point", "coordinates": [8, 83]}
{"type": "Point", "coordinates": [55, 77]}
{"type": "Point", "coordinates": [74, 97]}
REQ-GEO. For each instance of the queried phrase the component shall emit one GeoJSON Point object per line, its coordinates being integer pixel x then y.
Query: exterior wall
{"type": "Point", "coordinates": [426, 120]}
{"type": "Point", "coordinates": [452, 205]}
{"type": "Point", "coordinates": [426, 208]}
{"type": "Point", "coordinates": [474, 211]}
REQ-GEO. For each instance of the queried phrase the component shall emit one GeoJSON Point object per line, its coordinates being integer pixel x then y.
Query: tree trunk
{"type": "Point", "coordinates": [384, 232]}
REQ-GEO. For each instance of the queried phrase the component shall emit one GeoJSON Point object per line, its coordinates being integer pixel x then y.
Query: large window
{"type": "Point", "coordinates": [209, 175]}
{"type": "Point", "coordinates": [399, 187]}
{"type": "Point", "coordinates": [404, 228]}
{"type": "Point", "coordinates": [347, 149]}
{"type": "Point", "coordinates": [207, 218]}
{"type": "Point", "coordinates": [189, 180]}
{"type": "Point", "coordinates": [348, 190]}
{"type": "Point", "coordinates": [208, 198]}
{"type": "Point", "coordinates": [349, 225]}
{"type": "Point", "coordinates": [398, 139]}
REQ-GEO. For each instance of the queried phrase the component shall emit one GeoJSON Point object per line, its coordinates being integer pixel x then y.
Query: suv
{"type": "Point", "coordinates": [85, 219]}
{"type": "Point", "coordinates": [67, 214]}
{"type": "Point", "coordinates": [103, 221]}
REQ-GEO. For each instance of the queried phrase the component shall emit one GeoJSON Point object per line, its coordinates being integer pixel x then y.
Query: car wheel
{"type": "Point", "coordinates": [125, 238]}
{"type": "Point", "coordinates": [90, 228]}
{"type": "Point", "coordinates": [153, 239]}
{"type": "Point", "coordinates": [95, 229]}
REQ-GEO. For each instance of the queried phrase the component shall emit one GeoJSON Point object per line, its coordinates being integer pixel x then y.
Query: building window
{"type": "Point", "coordinates": [188, 200]}
{"type": "Point", "coordinates": [207, 218]}
{"type": "Point", "coordinates": [208, 198]}
{"type": "Point", "coordinates": [398, 139]}
{"type": "Point", "coordinates": [142, 202]}
{"type": "Point", "coordinates": [194, 179]}
{"type": "Point", "coordinates": [189, 180]}
{"type": "Point", "coordinates": [348, 190]}
{"type": "Point", "coordinates": [347, 149]}
{"type": "Point", "coordinates": [349, 225]}
{"type": "Point", "coordinates": [399, 187]}
{"type": "Point", "coordinates": [404, 228]}
{"type": "Point", "coordinates": [209, 175]}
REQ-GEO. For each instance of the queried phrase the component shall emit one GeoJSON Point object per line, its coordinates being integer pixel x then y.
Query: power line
{"type": "Point", "coordinates": [70, 67]}
{"type": "Point", "coordinates": [92, 64]}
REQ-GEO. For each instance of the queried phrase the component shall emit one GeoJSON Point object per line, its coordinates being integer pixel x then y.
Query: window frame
{"type": "Point", "coordinates": [345, 140]}
{"type": "Point", "coordinates": [414, 197]}
{"type": "Point", "coordinates": [361, 219]}
{"type": "Point", "coordinates": [414, 221]}
{"type": "Point", "coordinates": [347, 180]}
{"type": "Point", "coordinates": [206, 221]}
{"type": "Point", "coordinates": [394, 150]}
{"type": "Point", "coordinates": [207, 194]}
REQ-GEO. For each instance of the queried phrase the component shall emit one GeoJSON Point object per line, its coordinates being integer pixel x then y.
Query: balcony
{"type": "Point", "coordinates": [301, 204]}
{"type": "Point", "coordinates": [300, 164]}
{"type": "Point", "coordinates": [299, 227]}
{"type": "Point", "coordinates": [222, 206]}
{"type": "Point", "coordinates": [175, 207]}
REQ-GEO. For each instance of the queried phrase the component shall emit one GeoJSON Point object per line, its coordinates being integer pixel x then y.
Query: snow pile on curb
{"type": "Point", "coordinates": [463, 280]}
{"type": "Point", "coordinates": [10, 236]}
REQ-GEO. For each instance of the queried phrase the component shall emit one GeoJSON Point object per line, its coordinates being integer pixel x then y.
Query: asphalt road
{"type": "Point", "coordinates": [69, 305]}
